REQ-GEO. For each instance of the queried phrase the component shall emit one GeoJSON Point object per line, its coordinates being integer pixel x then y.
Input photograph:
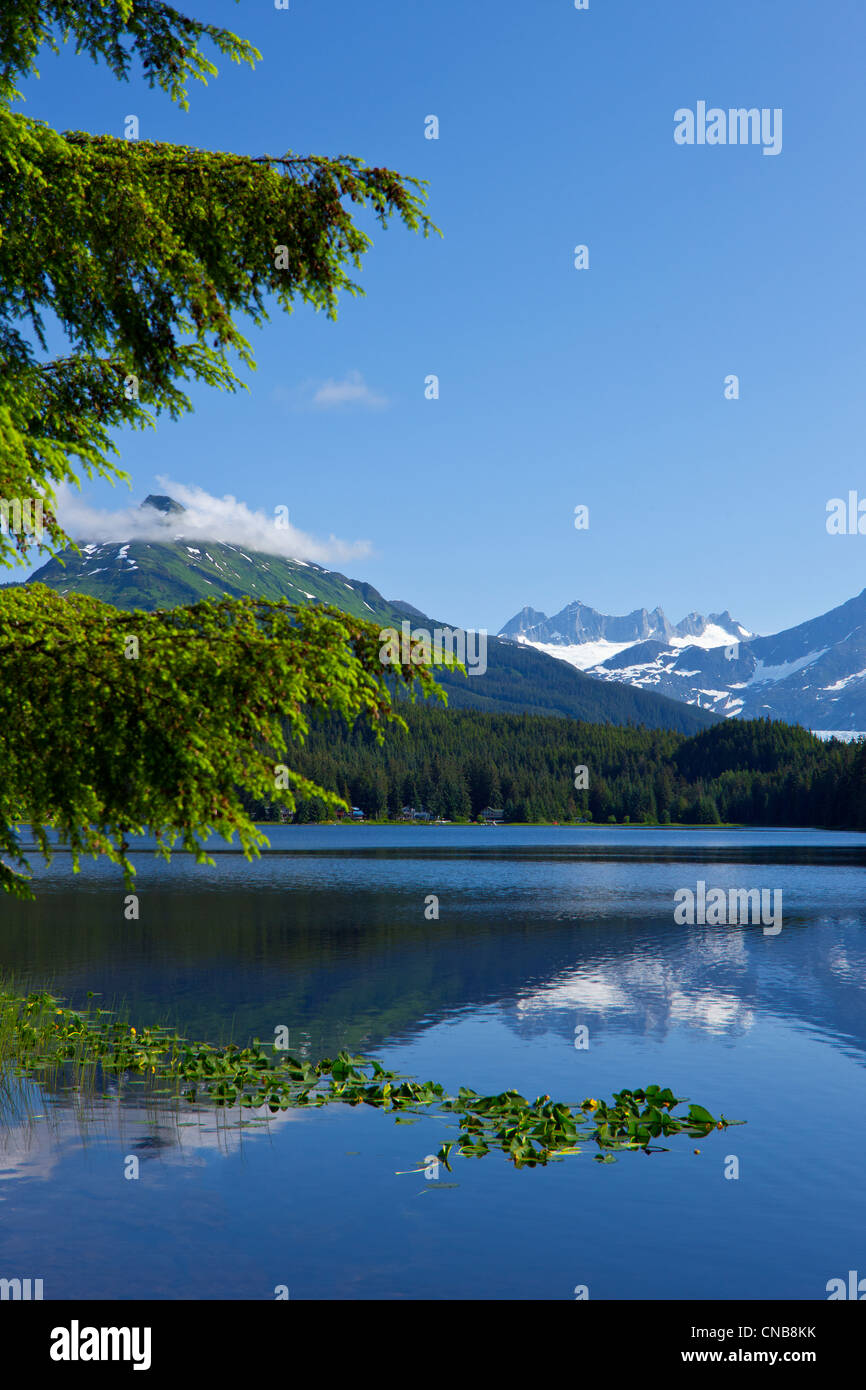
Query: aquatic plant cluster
{"type": "Point", "coordinates": [82, 1050]}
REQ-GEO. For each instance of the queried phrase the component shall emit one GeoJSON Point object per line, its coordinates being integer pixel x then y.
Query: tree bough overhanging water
{"type": "Point", "coordinates": [41, 1039]}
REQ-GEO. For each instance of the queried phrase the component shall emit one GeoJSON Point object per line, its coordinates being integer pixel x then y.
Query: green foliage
{"type": "Point", "coordinates": [533, 1133]}
{"type": "Point", "coordinates": [755, 745]}
{"type": "Point", "coordinates": [40, 1038]}
{"type": "Point", "coordinates": [455, 763]}
{"type": "Point", "coordinates": [165, 575]}
{"type": "Point", "coordinates": [147, 251]}
{"type": "Point", "coordinates": [165, 41]}
{"type": "Point", "coordinates": [119, 722]}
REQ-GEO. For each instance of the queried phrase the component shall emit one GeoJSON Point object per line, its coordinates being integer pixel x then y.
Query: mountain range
{"type": "Point", "coordinates": [148, 573]}
{"type": "Point", "coordinates": [637, 668]}
{"type": "Point", "coordinates": [813, 674]}
{"type": "Point", "coordinates": [586, 638]}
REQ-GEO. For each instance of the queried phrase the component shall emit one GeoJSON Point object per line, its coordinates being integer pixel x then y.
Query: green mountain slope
{"type": "Point", "coordinates": [151, 574]}
{"type": "Point", "coordinates": [519, 680]}
{"type": "Point", "coordinates": [154, 574]}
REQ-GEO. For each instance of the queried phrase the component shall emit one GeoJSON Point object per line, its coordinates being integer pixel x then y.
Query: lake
{"type": "Point", "coordinates": [540, 932]}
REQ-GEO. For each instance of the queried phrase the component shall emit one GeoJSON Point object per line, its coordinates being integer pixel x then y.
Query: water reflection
{"type": "Point", "coordinates": [538, 933]}
{"type": "Point", "coordinates": [38, 1125]}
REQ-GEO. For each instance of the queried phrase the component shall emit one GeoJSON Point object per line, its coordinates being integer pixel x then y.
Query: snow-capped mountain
{"type": "Point", "coordinates": [813, 674]}
{"type": "Point", "coordinates": [168, 564]}
{"type": "Point", "coordinates": [588, 639]}
{"type": "Point", "coordinates": [183, 568]}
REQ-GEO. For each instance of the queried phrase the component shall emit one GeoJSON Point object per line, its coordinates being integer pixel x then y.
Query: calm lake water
{"type": "Point", "coordinates": [539, 932]}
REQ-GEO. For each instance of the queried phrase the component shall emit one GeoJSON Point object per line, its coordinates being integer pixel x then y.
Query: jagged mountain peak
{"type": "Point", "coordinates": [154, 573]}
{"type": "Point", "coordinates": [163, 504]}
{"type": "Point", "coordinates": [812, 674]}
{"type": "Point", "coordinates": [579, 625]}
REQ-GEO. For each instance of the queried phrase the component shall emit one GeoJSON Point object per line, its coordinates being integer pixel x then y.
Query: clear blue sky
{"type": "Point", "coordinates": [558, 387]}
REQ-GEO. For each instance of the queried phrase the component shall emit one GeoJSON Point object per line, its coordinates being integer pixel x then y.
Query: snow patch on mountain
{"type": "Point", "coordinates": [583, 655]}
{"type": "Point", "coordinates": [765, 674]}
{"type": "Point", "coordinates": [846, 680]}
{"type": "Point", "coordinates": [813, 674]}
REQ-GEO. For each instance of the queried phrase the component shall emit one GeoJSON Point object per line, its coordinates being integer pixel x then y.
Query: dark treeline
{"type": "Point", "coordinates": [454, 764]}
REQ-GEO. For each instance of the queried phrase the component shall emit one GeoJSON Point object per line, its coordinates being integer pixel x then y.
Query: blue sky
{"type": "Point", "coordinates": [559, 387]}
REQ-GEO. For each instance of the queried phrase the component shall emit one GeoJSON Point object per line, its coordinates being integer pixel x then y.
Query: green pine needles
{"type": "Point", "coordinates": [148, 252]}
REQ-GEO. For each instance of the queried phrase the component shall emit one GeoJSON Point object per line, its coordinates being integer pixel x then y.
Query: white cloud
{"type": "Point", "coordinates": [206, 518]}
{"type": "Point", "coordinates": [352, 390]}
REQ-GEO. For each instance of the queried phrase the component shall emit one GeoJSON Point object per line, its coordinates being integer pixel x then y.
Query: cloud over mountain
{"type": "Point", "coordinates": [205, 517]}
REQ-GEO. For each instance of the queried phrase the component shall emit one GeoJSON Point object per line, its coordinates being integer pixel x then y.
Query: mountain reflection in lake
{"type": "Point", "coordinates": [540, 932]}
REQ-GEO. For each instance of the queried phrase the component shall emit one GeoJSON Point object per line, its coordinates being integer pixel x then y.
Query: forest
{"type": "Point", "coordinates": [455, 764]}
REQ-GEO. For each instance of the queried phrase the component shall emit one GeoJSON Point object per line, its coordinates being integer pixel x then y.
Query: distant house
{"type": "Point", "coordinates": [412, 813]}
{"type": "Point", "coordinates": [492, 815]}
{"type": "Point", "coordinates": [357, 813]}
